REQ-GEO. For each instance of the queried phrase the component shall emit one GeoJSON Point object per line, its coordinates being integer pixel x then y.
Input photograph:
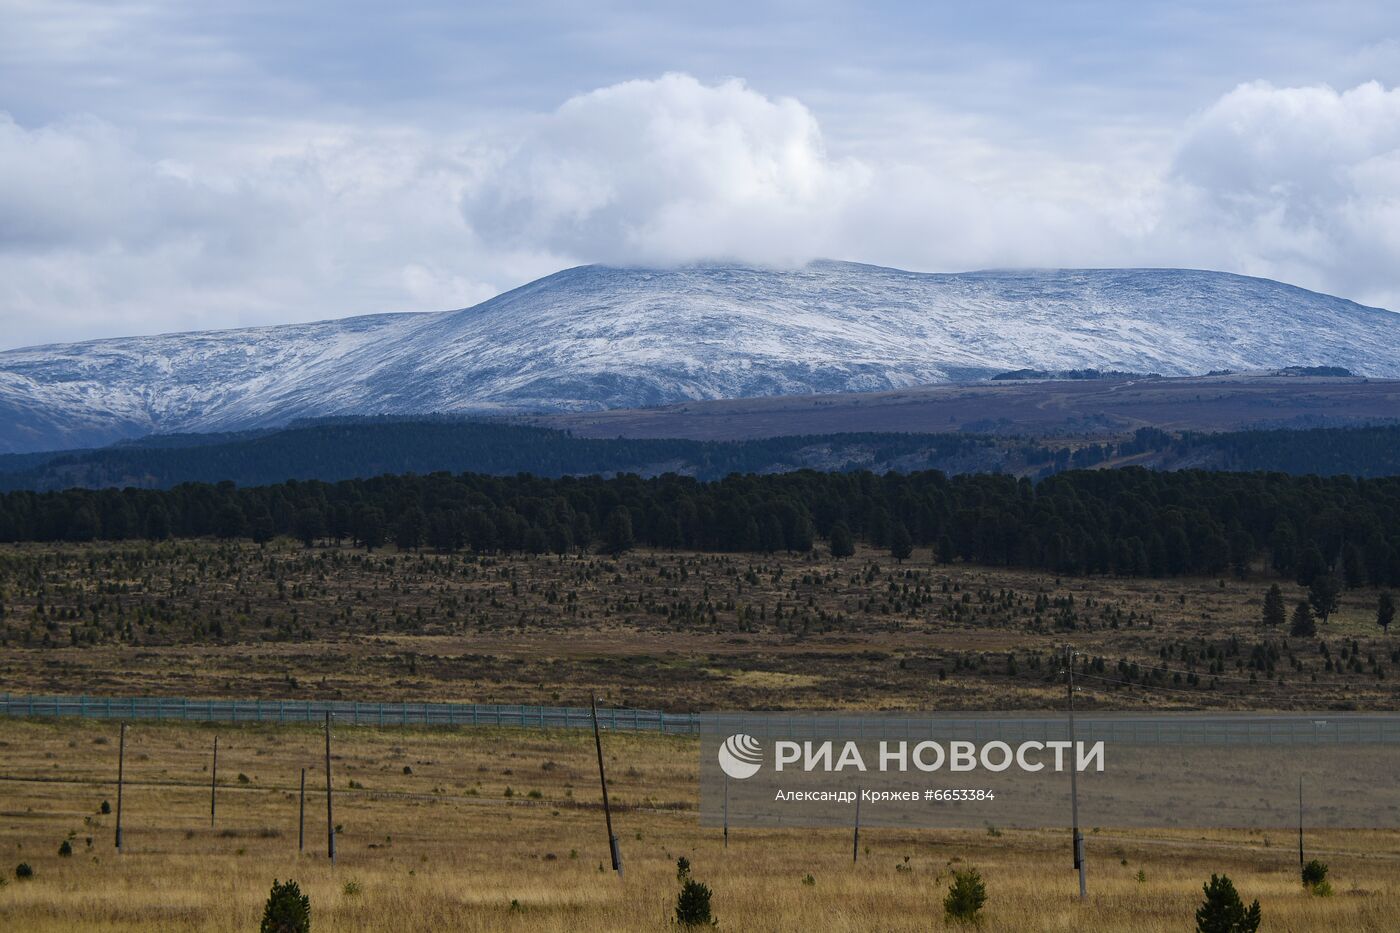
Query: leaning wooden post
{"type": "Point", "coordinates": [301, 815]}
{"type": "Point", "coordinates": [603, 779]}
{"type": "Point", "coordinates": [213, 782]}
{"type": "Point", "coordinates": [121, 779]}
{"type": "Point", "coordinates": [330, 815]}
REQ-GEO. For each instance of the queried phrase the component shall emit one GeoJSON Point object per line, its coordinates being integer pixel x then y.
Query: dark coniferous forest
{"type": "Point", "coordinates": [1130, 522]}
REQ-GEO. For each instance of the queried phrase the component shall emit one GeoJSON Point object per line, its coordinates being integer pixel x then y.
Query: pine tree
{"type": "Point", "coordinates": [965, 897]}
{"type": "Point", "coordinates": [310, 525]}
{"type": "Point", "coordinates": [803, 535]}
{"type": "Point", "coordinates": [617, 531]}
{"type": "Point", "coordinates": [1275, 613]}
{"type": "Point", "coordinates": [1353, 567]}
{"type": "Point", "coordinates": [1323, 595]}
{"type": "Point", "coordinates": [287, 910]}
{"type": "Point", "coordinates": [1385, 611]}
{"type": "Point", "coordinates": [693, 903]}
{"type": "Point", "coordinates": [1310, 566]}
{"type": "Point", "coordinates": [901, 545]}
{"type": "Point", "coordinates": [1179, 553]}
{"type": "Point", "coordinates": [408, 530]}
{"type": "Point", "coordinates": [1283, 548]}
{"type": "Point", "coordinates": [561, 539]}
{"type": "Point", "coordinates": [1303, 625]}
{"type": "Point", "coordinates": [1222, 911]}
{"type": "Point", "coordinates": [842, 543]}
{"type": "Point", "coordinates": [369, 527]}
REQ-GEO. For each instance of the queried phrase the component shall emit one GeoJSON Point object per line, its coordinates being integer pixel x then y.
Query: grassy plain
{"type": "Point", "coordinates": [430, 841]}
{"type": "Point", "coordinates": [671, 630]}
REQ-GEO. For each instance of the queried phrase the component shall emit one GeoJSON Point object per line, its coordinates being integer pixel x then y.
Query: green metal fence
{"type": "Point", "coordinates": [345, 713]}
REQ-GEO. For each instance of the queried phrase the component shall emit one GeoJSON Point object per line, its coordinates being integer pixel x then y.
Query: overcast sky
{"type": "Point", "coordinates": [173, 165]}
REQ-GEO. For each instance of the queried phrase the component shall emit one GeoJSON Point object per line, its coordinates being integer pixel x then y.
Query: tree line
{"type": "Point", "coordinates": [1129, 522]}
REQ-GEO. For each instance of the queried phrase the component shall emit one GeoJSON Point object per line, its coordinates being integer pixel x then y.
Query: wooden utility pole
{"type": "Point", "coordinates": [213, 782]}
{"type": "Point", "coordinates": [1300, 823]}
{"type": "Point", "coordinates": [855, 838]}
{"type": "Point", "coordinates": [726, 811]}
{"type": "Point", "coordinates": [1074, 777]}
{"type": "Point", "coordinates": [121, 779]}
{"type": "Point", "coordinates": [301, 815]}
{"type": "Point", "coordinates": [603, 779]}
{"type": "Point", "coordinates": [330, 814]}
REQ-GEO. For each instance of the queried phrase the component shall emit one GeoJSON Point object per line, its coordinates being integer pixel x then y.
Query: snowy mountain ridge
{"type": "Point", "coordinates": [595, 337]}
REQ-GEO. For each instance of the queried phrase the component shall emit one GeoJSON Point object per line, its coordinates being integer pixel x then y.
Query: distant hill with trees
{"type": "Point", "coordinates": [363, 448]}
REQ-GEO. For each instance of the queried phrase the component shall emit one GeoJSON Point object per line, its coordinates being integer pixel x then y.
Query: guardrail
{"type": "Point", "coordinates": [345, 712]}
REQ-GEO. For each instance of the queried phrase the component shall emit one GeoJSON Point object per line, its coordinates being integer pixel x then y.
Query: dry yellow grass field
{"type": "Point", "coordinates": [430, 841]}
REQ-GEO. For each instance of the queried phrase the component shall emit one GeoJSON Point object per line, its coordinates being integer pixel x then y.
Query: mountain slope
{"type": "Point", "coordinates": [594, 337]}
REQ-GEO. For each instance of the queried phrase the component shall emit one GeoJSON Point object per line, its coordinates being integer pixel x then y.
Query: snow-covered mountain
{"type": "Point", "coordinates": [596, 337]}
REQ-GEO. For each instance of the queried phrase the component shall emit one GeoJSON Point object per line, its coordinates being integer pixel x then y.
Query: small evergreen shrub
{"type": "Point", "coordinates": [1222, 911]}
{"type": "Point", "coordinates": [106, 808]}
{"type": "Point", "coordinates": [965, 897]}
{"type": "Point", "coordinates": [23, 872]}
{"type": "Point", "coordinates": [682, 868]}
{"type": "Point", "coordinates": [1314, 874]}
{"type": "Point", "coordinates": [693, 904]}
{"type": "Point", "coordinates": [287, 910]}
{"type": "Point", "coordinates": [65, 849]}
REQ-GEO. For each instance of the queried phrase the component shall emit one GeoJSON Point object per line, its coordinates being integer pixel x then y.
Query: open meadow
{"type": "Point", "coordinates": [500, 829]}
{"type": "Point", "coordinates": [485, 830]}
{"type": "Point", "coordinates": [671, 630]}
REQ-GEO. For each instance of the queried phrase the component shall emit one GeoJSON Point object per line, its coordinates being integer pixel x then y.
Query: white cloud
{"type": "Point", "coordinates": [1296, 183]}
{"type": "Point", "coordinates": [99, 236]}
{"type": "Point", "coordinates": [73, 185]}
{"type": "Point", "coordinates": [670, 170]}
{"type": "Point", "coordinates": [99, 239]}
{"type": "Point", "coordinates": [675, 171]}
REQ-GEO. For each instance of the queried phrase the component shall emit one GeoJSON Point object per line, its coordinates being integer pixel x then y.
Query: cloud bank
{"type": "Point", "coordinates": [1300, 183]}
{"type": "Point", "coordinates": [670, 171]}
{"type": "Point", "coordinates": [99, 236]}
